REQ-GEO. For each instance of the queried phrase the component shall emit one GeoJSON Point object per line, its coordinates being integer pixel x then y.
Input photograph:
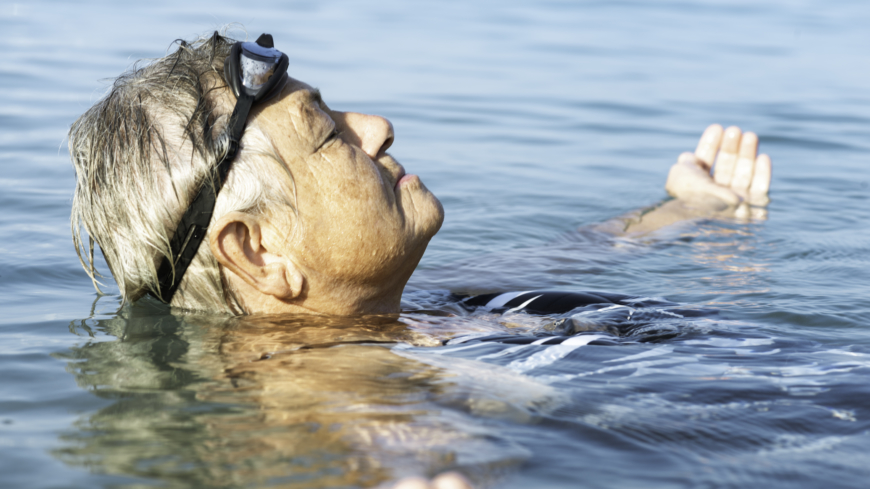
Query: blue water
{"type": "Point", "coordinates": [529, 120]}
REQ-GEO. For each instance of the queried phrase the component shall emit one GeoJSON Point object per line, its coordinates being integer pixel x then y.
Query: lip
{"type": "Point", "coordinates": [399, 177]}
{"type": "Point", "coordinates": [405, 178]}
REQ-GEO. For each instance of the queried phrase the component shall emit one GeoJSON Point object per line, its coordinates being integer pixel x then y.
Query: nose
{"type": "Point", "coordinates": [373, 133]}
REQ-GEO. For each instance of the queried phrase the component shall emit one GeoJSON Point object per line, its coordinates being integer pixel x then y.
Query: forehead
{"type": "Point", "coordinates": [297, 91]}
{"type": "Point", "coordinates": [295, 116]}
{"type": "Point", "coordinates": [295, 100]}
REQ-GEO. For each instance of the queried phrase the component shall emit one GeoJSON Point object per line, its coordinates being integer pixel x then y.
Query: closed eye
{"type": "Point", "coordinates": [332, 136]}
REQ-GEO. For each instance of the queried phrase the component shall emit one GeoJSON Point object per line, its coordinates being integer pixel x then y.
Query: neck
{"type": "Point", "coordinates": [322, 297]}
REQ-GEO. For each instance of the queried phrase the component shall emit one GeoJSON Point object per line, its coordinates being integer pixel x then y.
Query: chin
{"type": "Point", "coordinates": [439, 215]}
{"type": "Point", "coordinates": [427, 222]}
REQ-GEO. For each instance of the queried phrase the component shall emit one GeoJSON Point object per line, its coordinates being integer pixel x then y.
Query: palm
{"type": "Point", "coordinates": [739, 174]}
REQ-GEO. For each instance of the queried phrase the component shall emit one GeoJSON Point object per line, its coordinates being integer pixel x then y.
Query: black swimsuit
{"type": "Point", "coordinates": [625, 317]}
{"type": "Point", "coordinates": [544, 302]}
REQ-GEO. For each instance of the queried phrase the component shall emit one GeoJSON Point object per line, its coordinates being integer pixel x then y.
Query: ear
{"type": "Point", "coordinates": [236, 241]}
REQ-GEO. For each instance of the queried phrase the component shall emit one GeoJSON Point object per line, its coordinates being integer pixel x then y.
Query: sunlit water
{"type": "Point", "coordinates": [529, 120]}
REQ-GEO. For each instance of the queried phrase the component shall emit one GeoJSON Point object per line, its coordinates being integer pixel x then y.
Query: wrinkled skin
{"type": "Point", "coordinates": [361, 225]}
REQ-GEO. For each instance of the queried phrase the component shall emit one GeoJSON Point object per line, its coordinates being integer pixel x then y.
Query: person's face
{"type": "Point", "coordinates": [361, 218]}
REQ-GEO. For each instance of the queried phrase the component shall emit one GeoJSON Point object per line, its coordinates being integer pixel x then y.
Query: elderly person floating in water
{"type": "Point", "coordinates": [214, 181]}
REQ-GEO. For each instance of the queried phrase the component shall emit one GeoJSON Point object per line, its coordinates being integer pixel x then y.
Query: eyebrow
{"type": "Point", "coordinates": [316, 96]}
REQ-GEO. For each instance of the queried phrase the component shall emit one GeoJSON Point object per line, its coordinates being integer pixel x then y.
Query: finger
{"type": "Point", "coordinates": [745, 163]}
{"type": "Point", "coordinates": [685, 175]}
{"type": "Point", "coordinates": [727, 159]}
{"type": "Point", "coordinates": [760, 181]}
{"type": "Point", "coordinates": [690, 159]}
{"type": "Point", "coordinates": [708, 145]}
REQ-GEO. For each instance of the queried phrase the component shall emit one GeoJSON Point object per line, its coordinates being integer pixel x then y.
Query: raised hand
{"type": "Point", "coordinates": [739, 176]}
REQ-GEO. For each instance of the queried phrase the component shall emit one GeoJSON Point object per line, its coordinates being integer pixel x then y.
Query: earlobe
{"type": "Point", "coordinates": [236, 241]}
{"type": "Point", "coordinates": [295, 280]}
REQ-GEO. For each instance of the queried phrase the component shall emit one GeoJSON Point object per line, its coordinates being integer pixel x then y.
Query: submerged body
{"type": "Point", "coordinates": [447, 385]}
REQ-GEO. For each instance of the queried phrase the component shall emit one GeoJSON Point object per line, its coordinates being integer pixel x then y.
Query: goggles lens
{"type": "Point", "coordinates": [255, 68]}
{"type": "Point", "coordinates": [258, 64]}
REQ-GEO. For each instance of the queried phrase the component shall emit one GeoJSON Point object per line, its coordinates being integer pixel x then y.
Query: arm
{"type": "Point", "coordinates": [697, 194]}
{"type": "Point", "coordinates": [737, 187]}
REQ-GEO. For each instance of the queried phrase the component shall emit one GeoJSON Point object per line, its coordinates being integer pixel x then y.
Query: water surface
{"type": "Point", "coordinates": [529, 120]}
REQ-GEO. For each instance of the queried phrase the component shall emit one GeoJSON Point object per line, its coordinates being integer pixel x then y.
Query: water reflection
{"type": "Point", "coordinates": [287, 402]}
{"type": "Point", "coordinates": [728, 254]}
{"type": "Point", "coordinates": [203, 401]}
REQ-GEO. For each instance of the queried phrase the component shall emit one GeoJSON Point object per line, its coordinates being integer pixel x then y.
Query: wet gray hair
{"type": "Point", "coordinates": [141, 154]}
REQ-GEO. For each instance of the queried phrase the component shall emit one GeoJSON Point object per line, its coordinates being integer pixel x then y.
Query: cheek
{"type": "Point", "coordinates": [349, 215]}
{"type": "Point", "coordinates": [346, 202]}
{"type": "Point", "coordinates": [349, 179]}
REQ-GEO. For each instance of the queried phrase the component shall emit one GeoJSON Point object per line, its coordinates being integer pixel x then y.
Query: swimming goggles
{"type": "Point", "coordinates": [254, 71]}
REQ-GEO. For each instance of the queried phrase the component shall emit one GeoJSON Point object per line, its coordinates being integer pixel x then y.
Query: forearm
{"type": "Point", "coordinates": [666, 213]}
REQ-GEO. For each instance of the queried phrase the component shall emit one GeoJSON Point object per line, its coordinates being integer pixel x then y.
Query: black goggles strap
{"type": "Point", "coordinates": [192, 228]}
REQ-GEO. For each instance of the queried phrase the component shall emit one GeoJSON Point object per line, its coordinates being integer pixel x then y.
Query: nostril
{"type": "Point", "coordinates": [387, 135]}
{"type": "Point", "coordinates": [387, 143]}
{"type": "Point", "coordinates": [375, 133]}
